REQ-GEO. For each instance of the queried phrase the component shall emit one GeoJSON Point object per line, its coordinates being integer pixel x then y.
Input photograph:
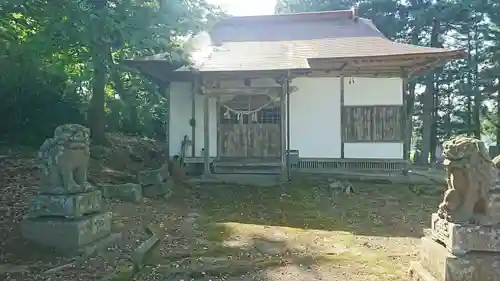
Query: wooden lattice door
{"type": "Point", "coordinates": [249, 127]}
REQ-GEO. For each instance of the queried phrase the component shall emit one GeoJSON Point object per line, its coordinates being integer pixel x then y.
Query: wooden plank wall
{"type": "Point", "coordinates": [250, 140]}
{"type": "Point", "coordinates": [372, 123]}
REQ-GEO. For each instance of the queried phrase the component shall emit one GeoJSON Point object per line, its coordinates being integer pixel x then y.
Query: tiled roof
{"type": "Point", "coordinates": [287, 42]}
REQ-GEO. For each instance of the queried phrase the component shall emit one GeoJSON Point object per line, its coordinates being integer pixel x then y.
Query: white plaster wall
{"type": "Point", "coordinates": [378, 150]}
{"type": "Point", "coordinates": [180, 114]}
{"type": "Point", "coordinates": [373, 91]}
{"type": "Point", "coordinates": [315, 117]}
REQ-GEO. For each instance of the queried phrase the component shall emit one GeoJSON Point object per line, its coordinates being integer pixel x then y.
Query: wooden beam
{"type": "Point", "coordinates": [342, 121]}
{"type": "Point", "coordinates": [425, 67]}
{"type": "Point", "coordinates": [356, 73]}
{"type": "Point", "coordinates": [243, 91]}
{"type": "Point", "coordinates": [361, 65]}
{"type": "Point", "coordinates": [447, 55]}
{"type": "Point", "coordinates": [250, 74]}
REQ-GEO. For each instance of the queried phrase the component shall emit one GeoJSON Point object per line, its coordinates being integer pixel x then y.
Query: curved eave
{"type": "Point", "coordinates": [158, 70]}
{"type": "Point", "coordinates": [412, 64]}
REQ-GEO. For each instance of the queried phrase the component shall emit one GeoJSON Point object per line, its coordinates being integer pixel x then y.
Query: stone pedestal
{"type": "Point", "coordinates": [67, 234]}
{"type": "Point", "coordinates": [67, 222]}
{"type": "Point", "coordinates": [453, 252]}
{"type": "Point", "coordinates": [154, 183]}
{"type": "Point", "coordinates": [68, 206]}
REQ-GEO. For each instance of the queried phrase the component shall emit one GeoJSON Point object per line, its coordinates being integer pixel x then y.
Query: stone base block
{"type": "Point", "coordinates": [126, 192]}
{"type": "Point", "coordinates": [61, 190]}
{"type": "Point", "coordinates": [161, 189]}
{"type": "Point", "coordinates": [68, 206]}
{"type": "Point", "coordinates": [437, 262]}
{"type": "Point", "coordinates": [67, 235]}
{"type": "Point", "coordinates": [150, 177]}
{"type": "Point", "coordinates": [461, 239]}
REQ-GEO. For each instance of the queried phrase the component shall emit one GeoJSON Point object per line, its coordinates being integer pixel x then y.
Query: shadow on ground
{"type": "Point", "coordinates": [259, 258]}
{"type": "Point", "coordinates": [375, 210]}
{"type": "Point", "coordinates": [310, 233]}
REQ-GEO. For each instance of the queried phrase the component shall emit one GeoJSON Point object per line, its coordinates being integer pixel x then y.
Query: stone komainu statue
{"type": "Point", "coordinates": [63, 160]}
{"type": "Point", "coordinates": [471, 175]}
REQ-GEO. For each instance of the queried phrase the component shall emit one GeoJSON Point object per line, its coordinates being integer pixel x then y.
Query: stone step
{"type": "Point", "coordinates": [247, 168]}
{"type": "Point", "coordinates": [243, 171]}
{"type": "Point", "coordinates": [240, 179]}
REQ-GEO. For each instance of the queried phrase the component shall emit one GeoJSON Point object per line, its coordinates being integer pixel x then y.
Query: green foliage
{"type": "Point", "coordinates": [62, 61]}
{"type": "Point", "coordinates": [58, 53]}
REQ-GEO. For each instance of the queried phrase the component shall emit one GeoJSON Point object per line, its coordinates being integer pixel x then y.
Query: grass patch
{"type": "Point", "coordinates": [386, 210]}
{"type": "Point", "coordinates": [370, 235]}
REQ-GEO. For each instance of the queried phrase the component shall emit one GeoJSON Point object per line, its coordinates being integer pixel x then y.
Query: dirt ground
{"type": "Point", "coordinates": [301, 231]}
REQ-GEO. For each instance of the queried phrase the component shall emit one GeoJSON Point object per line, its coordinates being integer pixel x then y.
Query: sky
{"type": "Point", "coordinates": [246, 7]}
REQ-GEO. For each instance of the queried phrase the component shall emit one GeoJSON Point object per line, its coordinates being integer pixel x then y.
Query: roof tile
{"type": "Point", "coordinates": [278, 42]}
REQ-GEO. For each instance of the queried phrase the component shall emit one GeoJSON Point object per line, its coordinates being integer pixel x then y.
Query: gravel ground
{"type": "Point", "coordinates": [257, 214]}
{"type": "Point", "coordinates": [22, 260]}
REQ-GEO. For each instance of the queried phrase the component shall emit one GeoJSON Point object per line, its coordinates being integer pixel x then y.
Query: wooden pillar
{"type": "Point", "coordinates": [406, 114]}
{"type": "Point", "coordinates": [206, 135]}
{"type": "Point", "coordinates": [342, 117]}
{"type": "Point", "coordinates": [165, 92]}
{"type": "Point", "coordinates": [283, 97]}
{"type": "Point", "coordinates": [288, 163]}
{"type": "Point", "coordinates": [217, 113]}
{"type": "Point", "coordinates": [195, 90]}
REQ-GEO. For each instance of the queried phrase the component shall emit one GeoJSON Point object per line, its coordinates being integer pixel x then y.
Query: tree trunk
{"type": "Point", "coordinates": [99, 57]}
{"type": "Point", "coordinates": [97, 103]}
{"type": "Point", "coordinates": [410, 100]}
{"type": "Point", "coordinates": [131, 122]}
{"type": "Point", "coordinates": [427, 120]}
{"type": "Point", "coordinates": [428, 102]}
{"type": "Point", "coordinates": [449, 112]}
{"type": "Point", "coordinates": [434, 132]}
{"type": "Point", "coordinates": [497, 125]}
{"type": "Point", "coordinates": [478, 101]}
{"type": "Point", "coordinates": [410, 103]}
{"type": "Point", "coordinates": [469, 87]}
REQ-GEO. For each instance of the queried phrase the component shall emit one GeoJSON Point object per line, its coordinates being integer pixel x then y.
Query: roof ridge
{"type": "Point", "coordinates": [305, 16]}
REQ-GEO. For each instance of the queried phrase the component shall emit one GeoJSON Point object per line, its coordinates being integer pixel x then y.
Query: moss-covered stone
{"type": "Point", "coordinates": [68, 206]}
{"type": "Point", "coordinates": [130, 192]}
